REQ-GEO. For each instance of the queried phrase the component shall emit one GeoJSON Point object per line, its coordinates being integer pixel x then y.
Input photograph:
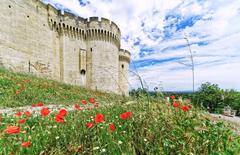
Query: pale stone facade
{"type": "Point", "coordinates": [38, 39]}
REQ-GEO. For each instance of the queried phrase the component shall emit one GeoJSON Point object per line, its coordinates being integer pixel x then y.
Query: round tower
{"type": "Point", "coordinates": [103, 43]}
{"type": "Point", "coordinates": [124, 60]}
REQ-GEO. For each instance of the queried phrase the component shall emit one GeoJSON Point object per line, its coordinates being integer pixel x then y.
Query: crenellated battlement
{"type": "Point", "coordinates": [93, 28]}
{"type": "Point", "coordinates": [124, 55]}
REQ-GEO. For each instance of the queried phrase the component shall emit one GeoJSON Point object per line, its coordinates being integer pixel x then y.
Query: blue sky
{"type": "Point", "coordinates": [154, 30]}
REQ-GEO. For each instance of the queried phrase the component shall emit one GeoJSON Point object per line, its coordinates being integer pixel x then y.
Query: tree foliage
{"type": "Point", "coordinates": [213, 98]}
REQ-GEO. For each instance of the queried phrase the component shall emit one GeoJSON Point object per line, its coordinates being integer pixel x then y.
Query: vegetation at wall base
{"type": "Point", "coordinates": [143, 125]}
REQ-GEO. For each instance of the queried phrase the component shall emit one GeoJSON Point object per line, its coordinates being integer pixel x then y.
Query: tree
{"type": "Point", "coordinates": [210, 96]}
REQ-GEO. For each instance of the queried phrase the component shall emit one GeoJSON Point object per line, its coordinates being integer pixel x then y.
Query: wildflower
{"type": "Point", "coordinates": [18, 92]}
{"type": "Point", "coordinates": [95, 148]}
{"type": "Point", "coordinates": [40, 104]}
{"type": "Point", "coordinates": [172, 97]}
{"type": "Point", "coordinates": [76, 106]}
{"type": "Point", "coordinates": [12, 129]}
{"type": "Point", "coordinates": [18, 113]}
{"type": "Point", "coordinates": [120, 142]}
{"type": "Point", "coordinates": [84, 102]}
{"type": "Point", "coordinates": [34, 105]}
{"type": "Point", "coordinates": [62, 112]}
{"type": "Point", "coordinates": [185, 108]}
{"type": "Point", "coordinates": [189, 106]}
{"type": "Point", "coordinates": [91, 100]}
{"type": "Point", "coordinates": [99, 118]}
{"type": "Point", "coordinates": [112, 127]}
{"type": "Point", "coordinates": [26, 144]}
{"type": "Point", "coordinates": [57, 137]}
{"type": "Point", "coordinates": [126, 115]}
{"type": "Point", "coordinates": [21, 121]}
{"type": "Point", "coordinates": [103, 150]}
{"type": "Point", "coordinates": [27, 113]}
{"type": "Point", "coordinates": [89, 125]}
{"type": "Point", "coordinates": [145, 139]}
{"type": "Point", "coordinates": [45, 111]}
{"type": "Point", "coordinates": [175, 104]}
{"type": "Point", "coordinates": [59, 119]}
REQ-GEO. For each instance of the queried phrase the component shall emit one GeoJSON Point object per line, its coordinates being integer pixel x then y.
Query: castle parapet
{"type": "Point", "coordinates": [103, 29]}
{"type": "Point", "coordinates": [124, 55]}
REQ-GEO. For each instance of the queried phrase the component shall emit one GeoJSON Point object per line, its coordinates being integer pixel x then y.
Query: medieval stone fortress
{"type": "Point", "coordinates": [39, 39]}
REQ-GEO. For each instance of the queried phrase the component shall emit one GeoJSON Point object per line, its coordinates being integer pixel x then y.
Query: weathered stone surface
{"type": "Point", "coordinates": [38, 39]}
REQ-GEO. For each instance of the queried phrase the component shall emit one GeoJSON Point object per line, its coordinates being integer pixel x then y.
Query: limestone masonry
{"type": "Point", "coordinates": [38, 39]}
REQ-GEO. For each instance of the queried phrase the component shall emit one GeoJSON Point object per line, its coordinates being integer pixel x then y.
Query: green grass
{"type": "Point", "coordinates": [42, 90]}
{"type": "Point", "coordinates": [156, 127]}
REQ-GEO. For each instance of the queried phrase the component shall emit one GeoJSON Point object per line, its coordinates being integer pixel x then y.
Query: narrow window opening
{"type": "Point", "coordinates": [82, 72]}
{"type": "Point", "coordinates": [122, 66]}
{"type": "Point", "coordinates": [91, 49]}
{"type": "Point", "coordinates": [28, 16]}
{"type": "Point", "coordinates": [9, 6]}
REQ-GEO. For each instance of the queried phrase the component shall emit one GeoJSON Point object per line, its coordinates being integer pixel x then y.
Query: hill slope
{"type": "Point", "coordinates": [117, 126]}
{"type": "Point", "coordinates": [21, 89]}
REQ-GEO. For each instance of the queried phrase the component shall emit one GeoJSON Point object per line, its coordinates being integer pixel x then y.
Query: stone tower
{"type": "Point", "coordinates": [39, 39]}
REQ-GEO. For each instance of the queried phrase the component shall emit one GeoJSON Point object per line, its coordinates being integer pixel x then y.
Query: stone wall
{"type": "Point", "coordinates": [26, 42]}
{"type": "Point", "coordinates": [124, 60]}
{"type": "Point", "coordinates": [38, 39]}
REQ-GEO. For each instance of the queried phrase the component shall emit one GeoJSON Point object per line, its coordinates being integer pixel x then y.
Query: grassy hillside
{"type": "Point", "coordinates": [142, 126]}
{"type": "Point", "coordinates": [21, 89]}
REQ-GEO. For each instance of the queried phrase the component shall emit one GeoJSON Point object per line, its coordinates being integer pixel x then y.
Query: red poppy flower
{"type": "Point", "coordinates": [40, 104]}
{"type": "Point", "coordinates": [18, 92]}
{"type": "Point", "coordinates": [76, 106]}
{"type": "Point", "coordinates": [175, 104]}
{"type": "Point", "coordinates": [34, 105]}
{"type": "Point", "coordinates": [59, 119]}
{"type": "Point", "coordinates": [91, 100]}
{"type": "Point", "coordinates": [45, 111]}
{"type": "Point", "coordinates": [189, 106]}
{"type": "Point", "coordinates": [26, 144]}
{"type": "Point", "coordinates": [112, 127]}
{"type": "Point", "coordinates": [99, 118]}
{"type": "Point", "coordinates": [21, 121]}
{"type": "Point", "coordinates": [172, 97]}
{"type": "Point", "coordinates": [185, 108]}
{"type": "Point", "coordinates": [84, 102]}
{"type": "Point", "coordinates": [89, 125]}
{"type": "Point", "coordinates": [12, 129]}
{"type": "Point", "coordinates": [18, 114]}
{"type": "Point", "coordinates": [62, 112]}
{"type": "Point", "coordinates": [27, 113]}
{"type": "Point", "coordinates": [126, 115]}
